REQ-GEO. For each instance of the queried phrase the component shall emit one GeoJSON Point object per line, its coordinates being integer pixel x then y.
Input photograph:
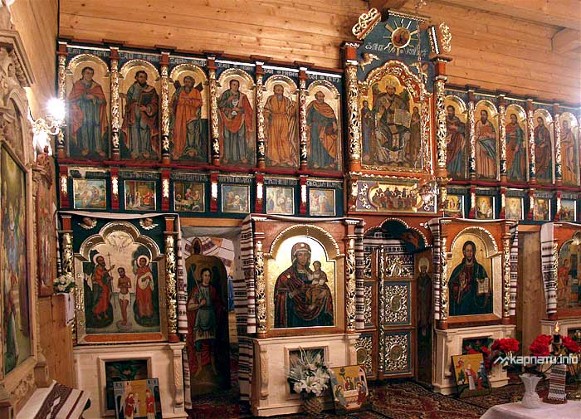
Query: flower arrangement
{"type": "Point", "coordinates": [551, 346]}
{"type": "Point", "coordinates": [499, 348]}
{"type": "Point", "coordinates": [309, 375]}
{"type": "Point", "coordinates": [64, 283]}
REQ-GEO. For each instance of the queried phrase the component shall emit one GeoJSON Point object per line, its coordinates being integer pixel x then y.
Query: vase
{"type": "Point", "coordinates": [313, 405]}
{"type": "Point", "coordinates": [530, 399]}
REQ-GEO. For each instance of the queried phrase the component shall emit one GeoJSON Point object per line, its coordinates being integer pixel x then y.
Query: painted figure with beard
{"type": "Point", "coordinates": [280, 126]}
{"type": "Point", "coordinates": [140, 123]}
{"type": "Point", "coordinates": [485, 135]}
{"type": "Point", "coordinates": [237, 125]}
{"type": "Point", "coordinates": [515, 150]}
{"type": "Point", "coordinates": [568, 154]}
{"type": "Point", "coordinates": [543, 153]}
{"type": "Point", "coordinates": [187, 124]}
{"type": "Point", "coordinates": [455, 139]}
{"type": "Point", "coordinates": [469, 285]}
{"type": "Point", "coordinates": [323, 132]}
{"type": "Point", "coordinates": [102, 281]}
{"type": "Point", "coordinates": [88, 110]}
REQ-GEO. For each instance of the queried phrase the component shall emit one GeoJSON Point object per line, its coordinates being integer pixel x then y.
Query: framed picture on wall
{"type": "Point", "coordinates": [484, 208]}
{"type": "Point", "coordinates": [513, 209]}
{"type": "Point", "coordinates": [90, 193]}
{"type": "Point", "coordinates": [454, 206]}
{"type": "Point", "coordinates": [568, 210]}
{"type": "Point", "coordinates": [236, 198]}
{"type": "Point", "coordinates": [140, 195]}
{"type": "Point", "coordinates": [322, 202]}
{"type": "Point", "coordinates": [189, 197]}
{"type": "Point", "coordinates": [542, 210]}
{"type": "Point", "coordinates": [280, 200]}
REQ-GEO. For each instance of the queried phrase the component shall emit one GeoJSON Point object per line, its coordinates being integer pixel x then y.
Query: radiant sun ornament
{"type": "Point", "coordinates": [401, 35]}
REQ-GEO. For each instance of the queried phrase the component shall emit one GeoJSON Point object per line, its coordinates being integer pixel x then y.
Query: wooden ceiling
{"type": "Point", "coordinates": [529, 48]}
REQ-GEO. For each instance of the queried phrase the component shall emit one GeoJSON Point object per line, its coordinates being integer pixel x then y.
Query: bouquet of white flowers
{"type": "Point", "coordinates": [308, 374]}
{"type": "Point", "coordinates": [64, 283]}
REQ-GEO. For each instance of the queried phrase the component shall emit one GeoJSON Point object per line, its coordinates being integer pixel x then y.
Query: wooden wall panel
{"type": "Point", "coordinates": [492, 51]}
{"type": "Point", "coordinates": [36, 21]}
{"type": "Point", "coordinates": [56, 339]}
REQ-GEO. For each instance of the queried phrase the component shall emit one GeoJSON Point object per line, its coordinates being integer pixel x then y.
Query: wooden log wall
{"type": "Point", "coordinates": [490, 50]}
{"type": "Point", "coordinates": [37, 23]}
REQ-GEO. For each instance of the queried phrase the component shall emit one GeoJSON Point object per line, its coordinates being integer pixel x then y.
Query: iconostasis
{"type": "Point", "coordinates": [379, 180]}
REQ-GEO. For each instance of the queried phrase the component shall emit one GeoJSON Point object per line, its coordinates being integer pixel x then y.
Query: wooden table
{"type": "Point", "coordinates": [569, 410]}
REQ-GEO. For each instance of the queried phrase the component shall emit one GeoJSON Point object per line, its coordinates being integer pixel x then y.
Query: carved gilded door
{"type": "Point", "coordinates": [396, 320]}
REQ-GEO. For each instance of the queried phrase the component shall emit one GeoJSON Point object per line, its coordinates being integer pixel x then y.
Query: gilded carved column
{"type": "Point", "coordinates": [444, 293]}
{"type": "Point", "coordinates": [531, 139]}
{"type": "Point", "coordinates": [350, 282]}
{"type": "Point", "coordinates": [471, 136]}
{"type": "Point", "coordinates": [382, 308]}
{"type": "Point", "coordinates": [165, 143]}
{"type": "Point", "coordinates": [353, 113]}
{"type": "Point", "coordinates": [303, 118]}
{"type": "Point", "coordinates": [214, 129]}
{"type": "Point", "coordinates": [115, 104]}
{"type": "Point", "coordinates": [171, 279]}
{"type": "Point", "coordinates": [62, 60]}
{"type": "Point", "coordinates": [558, 156]}
{"type": "Point", "coordinates": [502, 132]}
{"type": "Point", "coordinates": [506, 279]}
{"type": "Point", "coordinates": [354, 131]}
{"type": "Point", "coordinates": [260, 137]}
{"type": "Point", "coordinates": [260, 284]}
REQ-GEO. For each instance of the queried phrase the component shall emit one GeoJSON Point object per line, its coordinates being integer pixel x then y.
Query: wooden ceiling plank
{"type": "Point", "coordinates": [566, 40]}
{"type": "Point", "coordinates": [564, 13]}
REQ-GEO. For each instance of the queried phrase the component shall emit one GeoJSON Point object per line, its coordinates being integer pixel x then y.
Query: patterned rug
{"type": "Point", "coordinates": [400, 400]}
{"type": "Point", "coordinates": [408, 400]}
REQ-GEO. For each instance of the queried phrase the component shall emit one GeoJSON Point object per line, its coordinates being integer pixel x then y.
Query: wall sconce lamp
{"type": "Point", "coordinates": [44, 128]}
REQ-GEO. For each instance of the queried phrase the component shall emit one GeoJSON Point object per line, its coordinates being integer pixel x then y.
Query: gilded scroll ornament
{"type": "Point", "coordinates": [531, 130]}
{"type": "Point", "coordinates": [68, 254]}
{"type": "Point", "coordinates": [165, 188]}
{"type": "Point", "coordinates": [364, 351]}
{"type": "Point", "coordinates": [443, 281]}
{"type": "Point", "coordinates": [396, 349]}
{"type": "Point", "coordinates": [472, 138]}
{"type": "Point", "coordinates": [446, 37]}
{"type": "Point", "coordinates": [366, 23]}
{"type": "Point", "coordinates": [350, 285]}
{"type": "Point", "coordinates": [165, 108]}
{"type": "Point", "coordinates": [260, 287]}
{"type": "Point", "coordinates": [261, 148]}
{"type": "Point", "coordinates": [60, 140]}
{"type": "Point", "coordinates": [215, 132]}
{"type": "Point", "coordinates": [353, 112]}
{"type": "Point", "coordinates": [171, 285]}
{"type": "Point", "coordinates": [502, 131]}
{"type": "Point", "coordinates": [558, 155]}
{"type": "Point", "coordinates": [396, 303]}
{"type": "Point", "coordinates": [506, 279]}
{"type": "Point", "coordinates": [303, 120]}
{"type": "Point", "coordinates": [368, 297]}
{"type": "Point", "coordinates": [115, 108]}
{"type": "Point", "coordinates": [441, 118]}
